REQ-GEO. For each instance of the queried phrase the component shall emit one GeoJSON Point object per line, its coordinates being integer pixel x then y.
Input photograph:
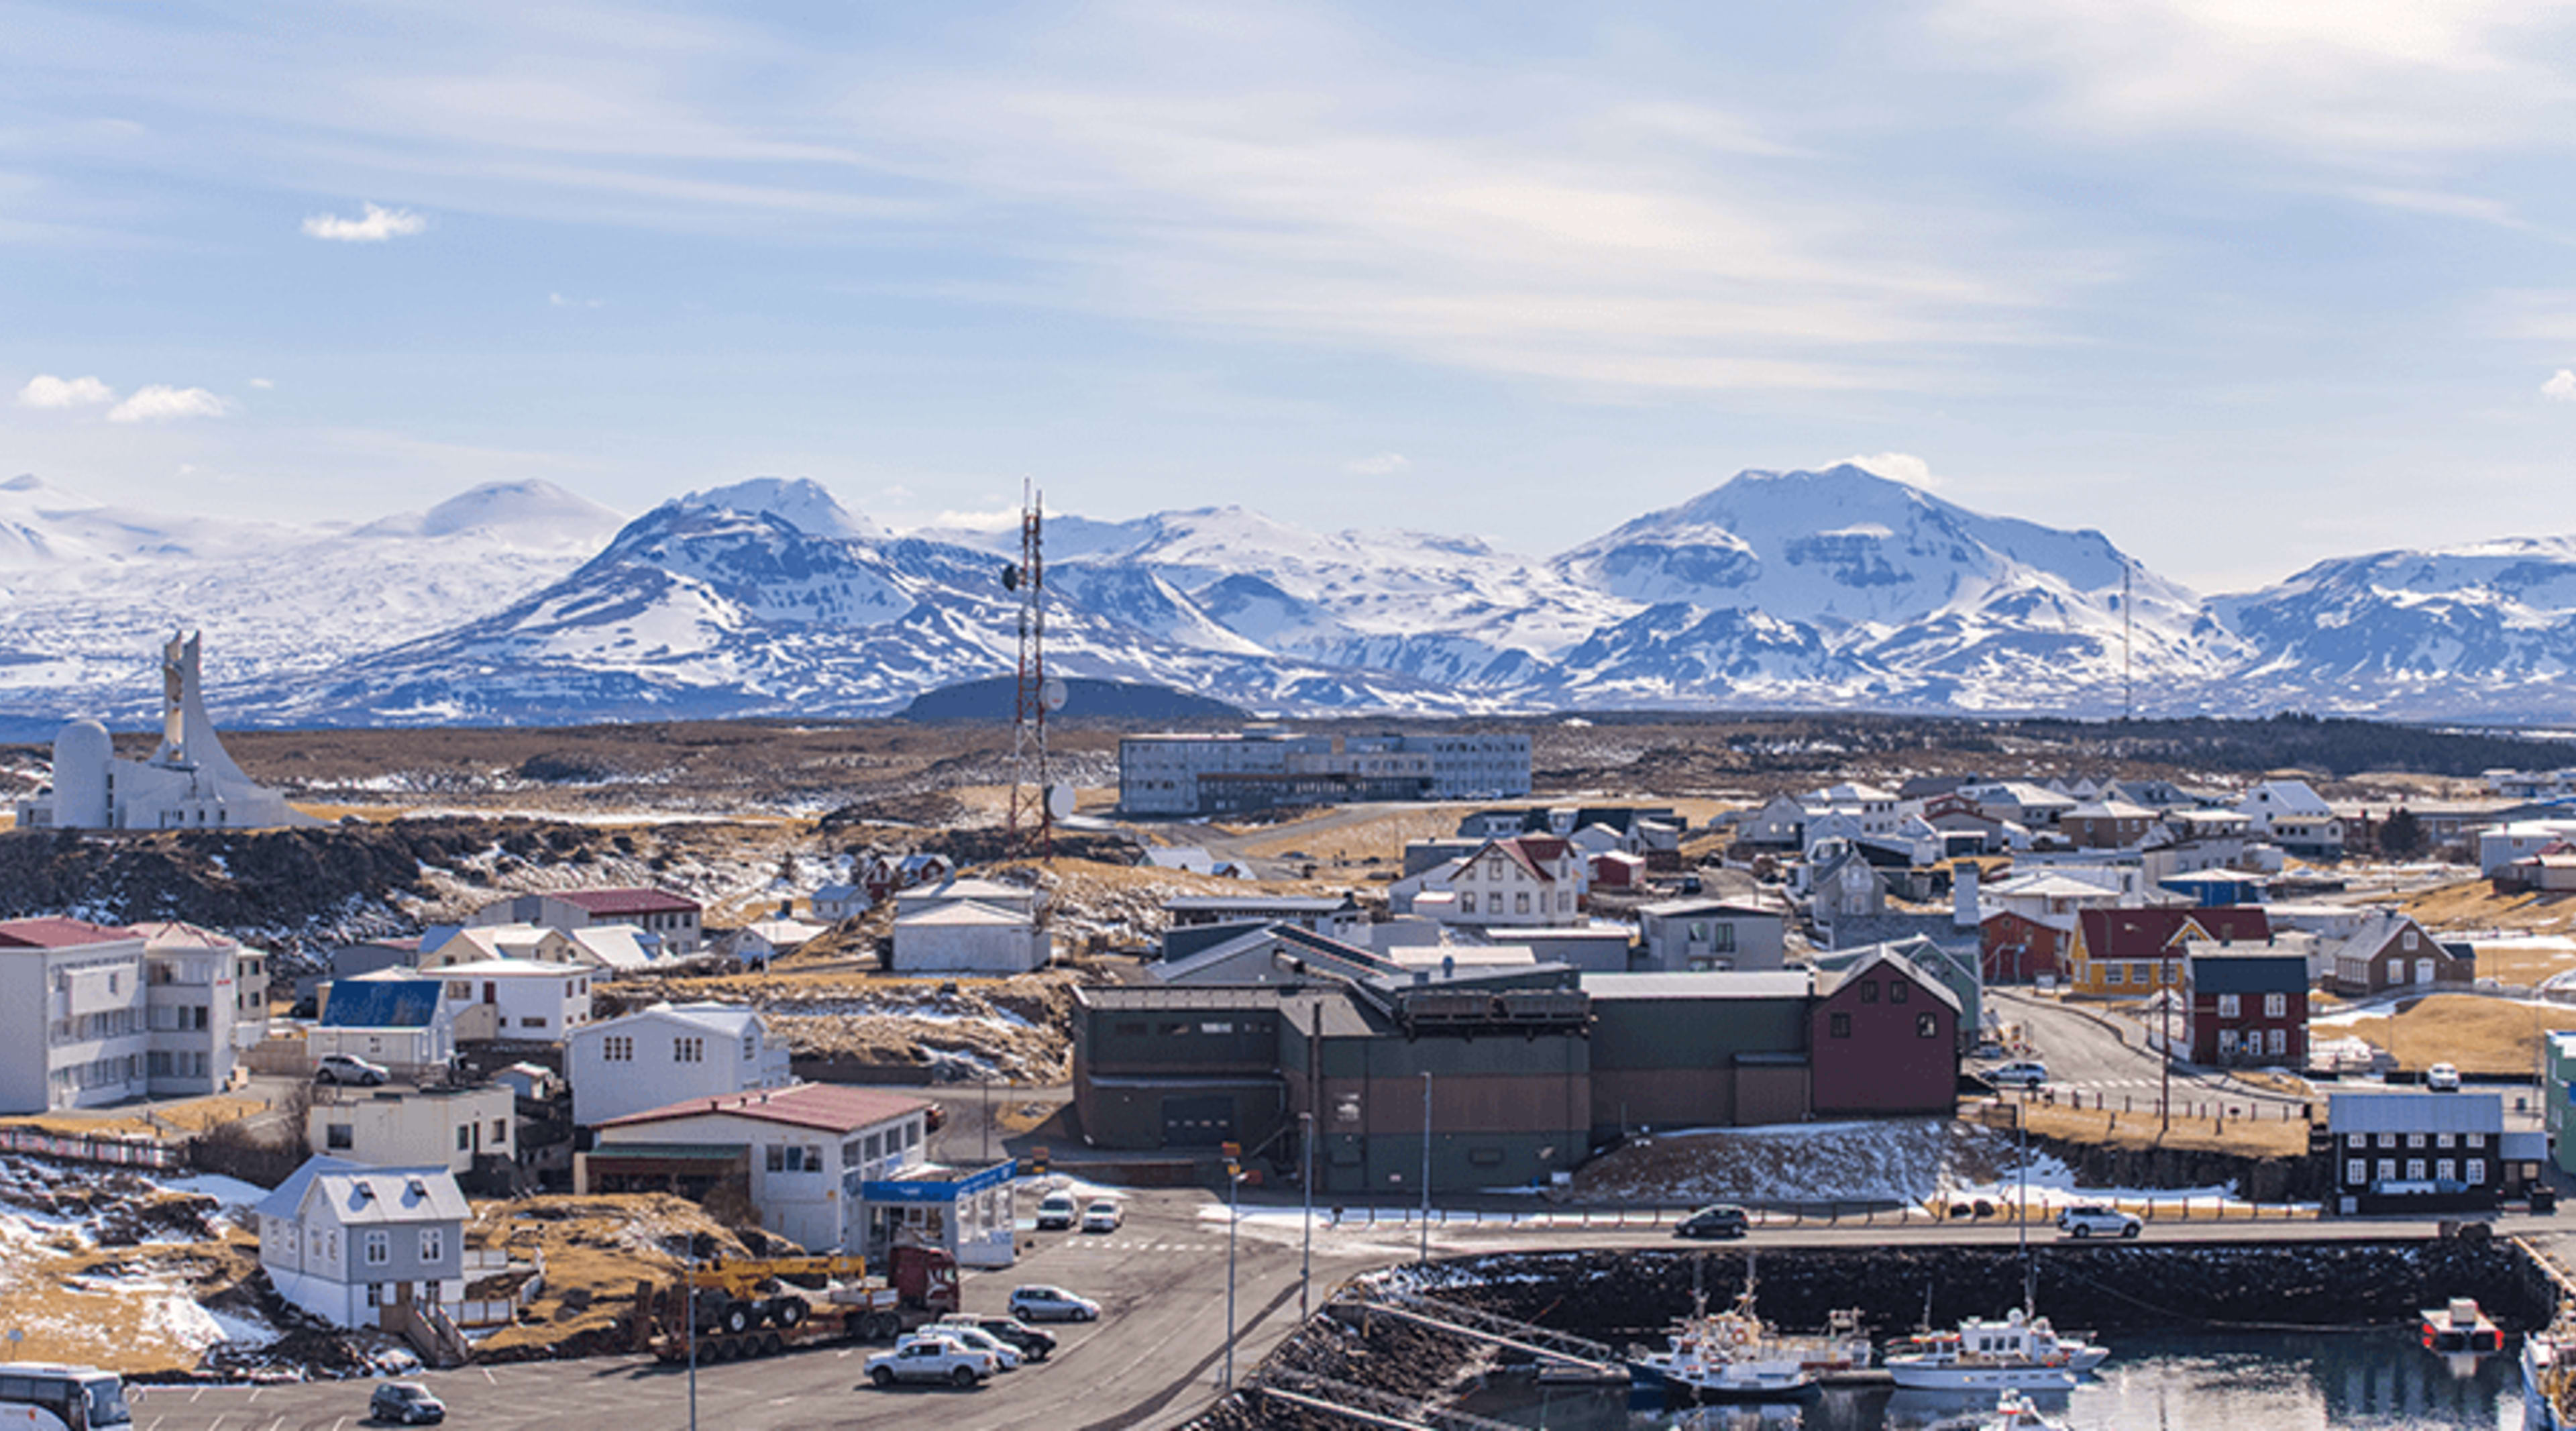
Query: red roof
{"type": "Point", "coordinates": [2148, 933]}
{"type": "Point", "coordinates": [832, 1107]}
{"type": "Point", "coordinates": [629, 901]}
{"type": "Point", "coordinates": [1534, 853]}
{"type": "Point", "coordinates": [53, 931]}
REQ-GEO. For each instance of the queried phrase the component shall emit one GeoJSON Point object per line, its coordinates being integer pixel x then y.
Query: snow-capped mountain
{"type": "Point", "coordinates": [1837, 587]}
{"type": "Point", "coordinates": [2490, 626]}
{"type": "Point", "coordinates": [88, 591]}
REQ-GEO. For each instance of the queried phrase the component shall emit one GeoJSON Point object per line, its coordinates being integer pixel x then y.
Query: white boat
{"type": "Point", "coordinates": [2459, 1326]}
{"type": "Point", "coordinates": [1730, 1355]}
{"type": "Point", "coordinates": [2549, 1374]}
{"type": "Point", "coordinates": [2021, 1351]}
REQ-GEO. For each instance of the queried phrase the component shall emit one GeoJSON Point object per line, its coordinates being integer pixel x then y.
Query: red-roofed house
{"type": "Point", "coordinates": [1525, 880]}
{"type": "Point", "coordinates": [2131, 953]}
{"type": "Point", "coordinates": [74, 1031]}
{"type": "Point", "coordinates": [672, 918]}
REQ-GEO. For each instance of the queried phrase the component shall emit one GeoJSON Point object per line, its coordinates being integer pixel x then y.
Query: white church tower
{"type": "Point", "coordinates": [189, 783]}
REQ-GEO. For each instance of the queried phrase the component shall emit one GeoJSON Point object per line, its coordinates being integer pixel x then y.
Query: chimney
{"type": "Point", "coordinates": [1963, 895]}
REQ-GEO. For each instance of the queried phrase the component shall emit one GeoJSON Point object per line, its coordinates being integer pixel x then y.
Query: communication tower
{"type": "Point", "coordinates": [1030, 824]}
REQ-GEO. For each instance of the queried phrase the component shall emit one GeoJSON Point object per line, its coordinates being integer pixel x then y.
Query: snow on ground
{"type": "Point", "coordinates": [1898, 1161]}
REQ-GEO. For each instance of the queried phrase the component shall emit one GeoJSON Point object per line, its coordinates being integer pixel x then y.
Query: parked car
{"type": "Point", "coordinates": [1006, 1357]}
{"type": "Point", "coordinates": [2093, 1219]}
{"type": "Point", "coordinates": [2443, 1078]}
{"type": "Point", "coordinates": [1057, 1211]}
{"type": "Point", "coordinates": [405, 1403]}
{"type": "Point", "coordinates": [933, 1358]}
{"type": "Point", "coordinates": [2022, 1073]}
{"type": "Point", "coordinates": [1031, 1342]}
{"type": "Point", "coordinates": [349, 1068]}
{"type": "Point", "coordinates": [1103, 1215]}
{"type": "Point", "coordinates": [1721, 1220]}
{"type": "Point", "coordinates": [1051, 1304]}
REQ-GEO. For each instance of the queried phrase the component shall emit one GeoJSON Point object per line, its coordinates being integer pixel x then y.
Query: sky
{"type": "Point", "coordinates": [2241, 283]}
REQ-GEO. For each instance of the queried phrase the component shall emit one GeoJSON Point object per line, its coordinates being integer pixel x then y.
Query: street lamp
{"type": "Point", "coordinates": [1425, 1254]}
{"type": "Point", "coordinates": [1306, 1262]}
{"type": "Point", "coordinates": [1233, 1220]}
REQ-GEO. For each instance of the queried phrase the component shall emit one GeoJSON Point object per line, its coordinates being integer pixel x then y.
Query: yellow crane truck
{"type": "Point", "coordinates": [753, 1307]}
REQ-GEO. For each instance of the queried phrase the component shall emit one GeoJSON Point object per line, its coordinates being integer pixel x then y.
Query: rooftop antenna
{"type": "Point", "coordinates": [1029, 827]}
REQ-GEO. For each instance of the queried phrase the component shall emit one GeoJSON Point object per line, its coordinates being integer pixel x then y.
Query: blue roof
{"type": "Point", "coordinates": [381, 1004]}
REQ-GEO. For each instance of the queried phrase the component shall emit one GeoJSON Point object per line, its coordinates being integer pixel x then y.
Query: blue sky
{"type": "Point", "coordinates": [2243, 283]}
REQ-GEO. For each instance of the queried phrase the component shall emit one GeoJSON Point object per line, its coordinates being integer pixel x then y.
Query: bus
{"type": "Point", "coordinates": [37, 1396]}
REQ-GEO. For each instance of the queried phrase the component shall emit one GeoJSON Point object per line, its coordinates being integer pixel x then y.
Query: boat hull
{"type": "Point", "coordinates": [1741, 1381]}
{"type": "Point", "coordinates": [1920, 1376]}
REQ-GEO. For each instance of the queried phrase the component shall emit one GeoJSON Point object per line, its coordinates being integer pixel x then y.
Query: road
{"type": "Point", "coordinates": [2087, 1053]}
{"type": "Point", "coordinates": [1155, 1359]}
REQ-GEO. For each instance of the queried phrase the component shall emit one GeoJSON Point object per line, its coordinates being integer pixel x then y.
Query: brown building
{"type": "Point", "coordinates": [1885, 1040]}
{"type": "Point", "coordinates": [2019, 949]}
{"type": "Point", "coordinates": [2106, 824]}
{"type": "Point", "coordinates": [2392, 951]}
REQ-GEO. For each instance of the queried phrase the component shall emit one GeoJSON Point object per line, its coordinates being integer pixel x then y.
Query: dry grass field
{"type": "Point", "coordinates": [2266, 1136]}
{"type": "Point", "coordinates": [2481, 1035]}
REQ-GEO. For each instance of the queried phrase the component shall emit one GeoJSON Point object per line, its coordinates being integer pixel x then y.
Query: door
{"type": "Point", "coordinates": [1198, 1122]}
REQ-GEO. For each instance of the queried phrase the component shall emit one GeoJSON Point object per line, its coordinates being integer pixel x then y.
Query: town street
{"type": "Point", "coordinates": [2102, 1054]}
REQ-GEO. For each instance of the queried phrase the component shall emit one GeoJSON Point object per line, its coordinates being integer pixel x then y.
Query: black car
{"type": "Point", "coordinates": [1723, 1220]}
{"type": "Point", "coordinates": [405, 1403]}
{"type": "Point", "coordinates": [1028, 1340]}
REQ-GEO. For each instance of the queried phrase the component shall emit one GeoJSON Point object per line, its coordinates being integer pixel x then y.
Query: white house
{"type": "Point", "coordinates": [1872, 807]}
{"type": "Point", "coordinates": [2504, 844]}
{"type": "Point", "coordinates": [394, 1017]}
{"type": "Point", "coordinates": [619, 948]}
{"type": "Point", "coordinates": [810, 1146]}
{"type": "Point", "coordinates": [765, 939]}
{"type": "Point", "coordinates": [1524, 880]}
{"type": "Point", "coordinates": [197, 1008]}
{"type": "Point", "coordinates": [836, 902]}
{"type": "Point", "coordinates": [344, 1241]}
{"type": "Point", "coordinates": [667, 1054]}
{"type": "Point", "coordinates": [992, 894]}
{"type": "Point", "coordinates": [529, 1001]}
{"type": "Point", "coordinates": [74, 1029]}
{"type": "Point", "coordinates": [406, 1127]}
{"type": "Point", "coordinates": [967, 937]}
{"type": "Point", "coordinates": [2294, 817]}
{"type": "Point", "coordinates": [1781, 823]}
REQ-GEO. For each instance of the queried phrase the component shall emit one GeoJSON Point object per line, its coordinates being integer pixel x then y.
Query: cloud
{"type": "Point", "coordinates": [262, 383]}
{"type": "Point", "coordinates": [375, 225]}
{"type": "Point", "coordinates": [557, 300]}
{"type": "Point", "coordinates": [2561, 386]}
{"type": "Point", "coordinates": [898, 495]}
{"type": "Point", "coordinates": [2449, 206]}
{"type": "Point", "coordinates": [1000, 519]}
{"type": "Point", "coordinates": [162, 403]}
{"type": "Point", "coordinates": [46, 390]}
{"type": "Point", "coordinates": [1383, 464]}
{"type": "Point", "coordinates": [1898, 466]}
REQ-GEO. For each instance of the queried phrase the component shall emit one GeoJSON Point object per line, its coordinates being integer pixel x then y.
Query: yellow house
{"type": "Point", "coordinates": [2132, 953]}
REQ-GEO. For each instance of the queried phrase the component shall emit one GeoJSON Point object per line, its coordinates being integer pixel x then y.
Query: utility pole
{"type": "Point", "coordinates": [1425, 1253]}
{"type": "Point", "coordinates": [1233, 1220]}
{"type": "Point", "coordinates": [1306, 1261]}
{"type": "Point", "coordinates": [2164, 1100]}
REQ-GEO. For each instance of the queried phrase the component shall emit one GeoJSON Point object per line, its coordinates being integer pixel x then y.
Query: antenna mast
{"type": "Point", "coordinates": [2128, 666]}
{"type": "Point", "coordinates": [1030, 824]}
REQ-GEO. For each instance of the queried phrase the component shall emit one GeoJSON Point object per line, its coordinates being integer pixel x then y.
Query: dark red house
{"type": "Point", "coordinates": [1884, 1039]}
{"type": "Point", "coordinates": [2018, 949]}
{"type": "Point", "coordinates": [2248, 1006]}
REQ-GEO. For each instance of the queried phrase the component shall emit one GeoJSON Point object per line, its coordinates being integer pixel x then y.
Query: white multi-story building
{"type": "Point", "coordinates": [1525, 880]}
{"type": "Point", "coordinates": [207, 999]}
{"type": "Point", "coordinates": [1260, 766]}
{"type": "Point", "coordinates": [667, 1054]}
{"type": "Point", "coordinates": [2294, 817]}
{"type": "Point", "coordinates": [74, 1015]}
{"type": "Point", "coordinates": [396, 1127]}
{"type": "Point", "coordinates": [529, 1001]}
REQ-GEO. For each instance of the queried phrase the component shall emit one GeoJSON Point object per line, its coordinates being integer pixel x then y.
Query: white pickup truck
{"type": "Point", "coordinates": [931, 1358]}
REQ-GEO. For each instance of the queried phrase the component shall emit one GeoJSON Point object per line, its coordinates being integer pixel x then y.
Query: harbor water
{"type": "Point", "coordinates": [2236, 1381]}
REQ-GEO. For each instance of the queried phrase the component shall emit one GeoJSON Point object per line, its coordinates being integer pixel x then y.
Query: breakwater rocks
{"type": "Point", "coordinates": [1614, 1296]}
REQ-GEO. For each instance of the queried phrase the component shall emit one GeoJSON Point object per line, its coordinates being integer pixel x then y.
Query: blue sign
{"type": "Point", "coordinates": [930, 1190]}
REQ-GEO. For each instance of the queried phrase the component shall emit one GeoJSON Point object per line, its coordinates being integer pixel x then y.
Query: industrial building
{"type": "Point", "coordinates": [1266, 765]}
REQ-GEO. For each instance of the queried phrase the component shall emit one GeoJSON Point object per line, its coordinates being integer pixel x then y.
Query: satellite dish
{"type": "Point", "coordinates": [1059, 802]}
{"type": "Point", "coordinates": [1052, 695]}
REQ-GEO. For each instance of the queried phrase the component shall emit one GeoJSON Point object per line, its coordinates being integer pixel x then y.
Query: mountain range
{"type": "Point", "coordinates": [522, 603]}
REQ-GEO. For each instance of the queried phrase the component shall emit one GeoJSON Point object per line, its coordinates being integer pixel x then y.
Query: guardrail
{"type": "Point", "coordinates": [1938, 1212]}
{"type": "Point", "coordinates": [118, 1152]}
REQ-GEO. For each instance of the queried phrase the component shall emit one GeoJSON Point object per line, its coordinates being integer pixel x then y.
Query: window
{"type": "Point", "coordinates": [531, 1023]}
{"type": "Point", "coordinates": [464, 1136]}
{"type": "Point", "coordinates": [1467, 902]}
{"type": "Point", "coordinates": [2388, 1170]}
{"type": "Point", "coordinates": [751, 1045]}
{"type": "Point", "coordinates": [618, 1048]}
{"type": "Point", "coordinates": [2280, 1040]}
{"type": "Point", "coordinates": [688, 1050]}
{"type": "Point", "coordinates": [2226, 1041]}
{"type": "Point", "coordinates": [2443, 1169]}
{"type": "Point", "coordinates": [2473, 1140]}
{"type": "Point", "coordinates": [2474, 1171]}
{"type": "Point", "coordinates": [2414, 1170]}
{"type": "Point", "coordinates": [339, 1137]}
{"type": "Point", "coordinates": [2276, 1006]}
{"type": "Point", "coordinates": [2354, 1171]}
{"type": "Point", "coordinates": [2388, 1140]}
{"type": "Point", "coordinates": [500, 1130]}
{"type": "Point", "coordinates": [1838, 1026]}
{"type": "Point", "coordinates": [433, 1243]}
{"type": "Point", "coordinates": [2414, 1140]}
{"type": "Point", "coordinates": [1926, 1026]}
{"type": "Point", "coordinates": [2443, 1140]}
{"type": "Point", "coordinates": [380, 1248]}
{"type": "Point", "coordinates": [375, 1294]}
{"type": "Point", "coordinates": [2357, 1140]}
{"type": "Point", "coordinates": [1520, 902]}
{"type": "Point", "coordinates": [2230, 1006]}
{"type": "Point", "coordinates": [2115, 973]}
{"type": "Point", "coordinates": [1869, 991]}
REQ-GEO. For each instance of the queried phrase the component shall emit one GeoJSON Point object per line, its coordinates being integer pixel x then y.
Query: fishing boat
{"type": "Point", "coordinates": [2549, 1373]}
{"type": "Point", "coordinates": [2020, 1351]}
{"type": "Point", "coordinates": [1727, 1355]}
{"type": "Point", "coordinates": [2458, 1326]}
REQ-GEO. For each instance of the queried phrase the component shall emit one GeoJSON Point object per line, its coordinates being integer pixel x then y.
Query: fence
{"type": "Point", "coordinates": [118, 1152]}
{"type": "Point", "coordinates": [1939, 1211]}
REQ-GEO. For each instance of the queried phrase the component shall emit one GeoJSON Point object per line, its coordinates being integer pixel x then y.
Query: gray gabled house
{"type": "Point", "coordinates": [345, 1241]}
